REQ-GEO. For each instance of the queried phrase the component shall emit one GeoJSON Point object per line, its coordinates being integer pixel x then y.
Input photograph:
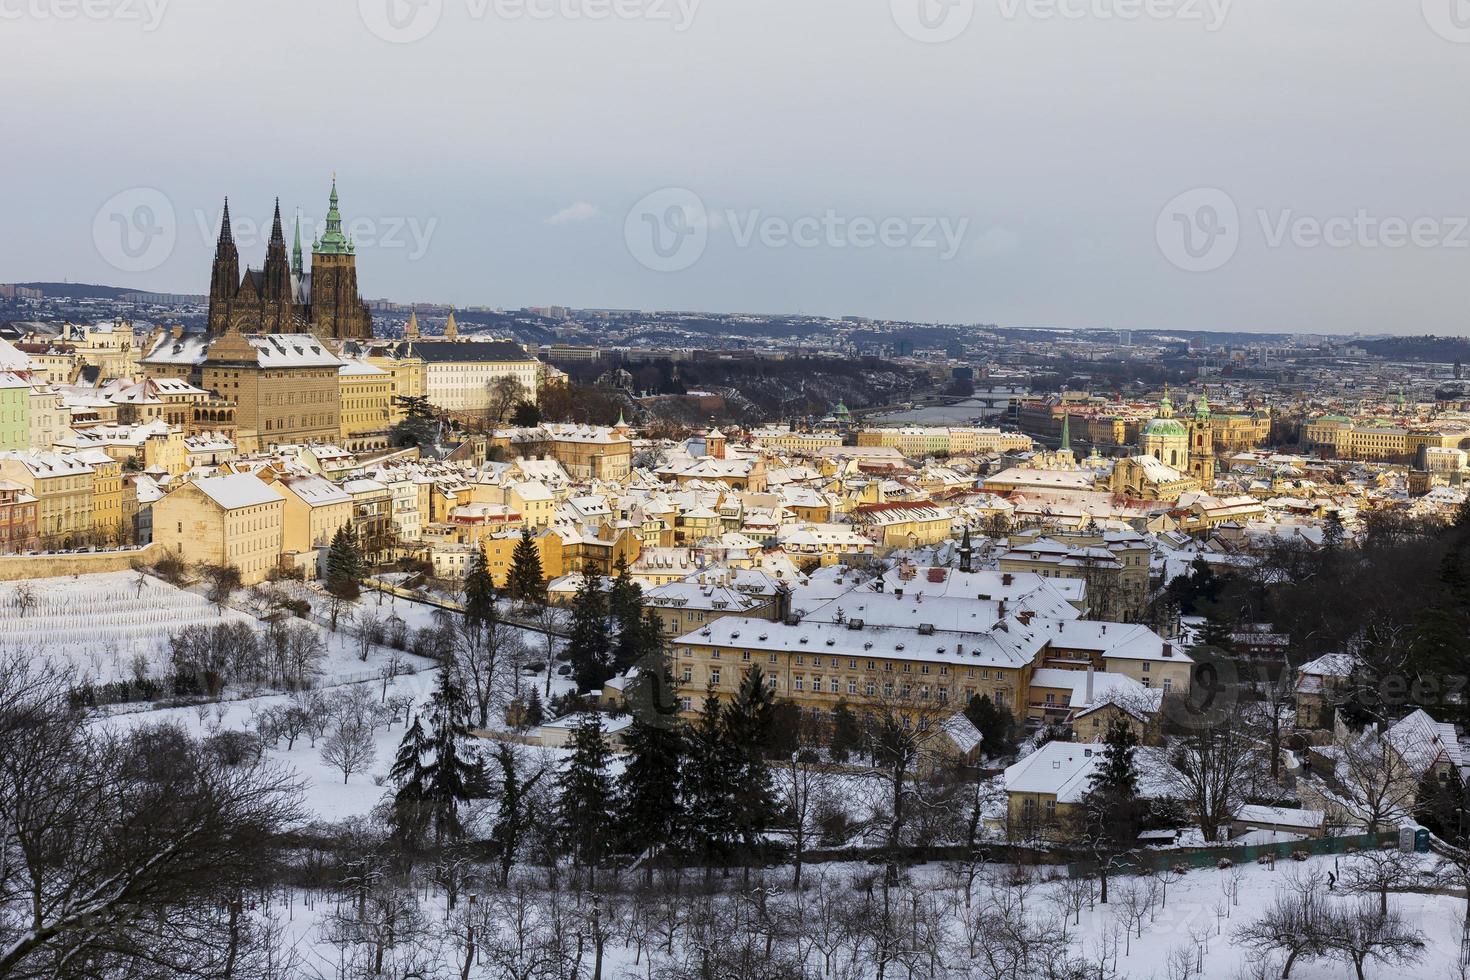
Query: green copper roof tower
{"type": "Point", "coordinates": [1066, 436]}
{"type": "Point", "coordinates": [1202, 407]}
{"type": "Point", "coordinates": [333, 242]}
{"type": "Point", "coordinates": [297, 269]}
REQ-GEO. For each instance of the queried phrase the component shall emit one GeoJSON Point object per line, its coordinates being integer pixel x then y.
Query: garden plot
{"type": "Point", "coordinates": [102, 625]}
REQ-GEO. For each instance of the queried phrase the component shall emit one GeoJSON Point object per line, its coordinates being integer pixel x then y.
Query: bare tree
{"type": "Point", "coordinates": [25, 598]}
{"type": "Point", "coordinates": [1363, 933]}
{"type": "Point", "coordinates": [1379, 785]}
{"type": "Point", "coordinates": [1214, 762]}
{"type": "Point", "coordinates": [349, 745]}
{"type": "Point", "coordinates": [1378, 871]}
{"type": "Point", "coordinates": [130, 886]}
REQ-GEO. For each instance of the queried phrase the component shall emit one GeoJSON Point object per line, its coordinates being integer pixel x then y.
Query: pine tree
{"type": "Point", "coordinates": [707, 782]}
{"type": "Point", "coordinates": [345, 564]}
{"type": "Point", "coordinates": [585, 801]}
{"type": "Point", "coordinates": [588, 641]}
{"type": "Point", "coordinates": [649, 803]}
{"type": "Point", "coordinates": [449, 778]}
{"type": "Point", "coordinates": [847, 733]}
{"type": "Point", "coordinates": [511, 819]}
{"type": "Point", "coordinates": [747, 724]}
{"type": "Point", "coordinates": [995, 725]}
{"type": "Point", "coordinates": [534, 713]}
{"type": "Point", "coordinates": [526, 582]}
{"type": "Point", "coordinates": [479, 593]}
{"type": "Point", "coordinates": [1118, 772]}
{"type": "Point", "coordinates": [625, 596]}
{"type": "Point", "coordinates": [639, 640]}
{"type": "Point", "coordinates": [409, 773]}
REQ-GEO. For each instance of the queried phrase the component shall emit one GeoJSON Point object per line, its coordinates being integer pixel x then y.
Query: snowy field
{"type": "Point", "coordinates": [100, 625]}
{"type": "Point", "coordinates": [108, 626]}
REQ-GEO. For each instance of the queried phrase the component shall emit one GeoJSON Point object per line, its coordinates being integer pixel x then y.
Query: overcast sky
{"type": "Point", "coordinates": [1204, 164]}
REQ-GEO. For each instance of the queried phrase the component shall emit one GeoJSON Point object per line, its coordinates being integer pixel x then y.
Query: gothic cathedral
{"type": "Point", "coordinates": [281, 297]}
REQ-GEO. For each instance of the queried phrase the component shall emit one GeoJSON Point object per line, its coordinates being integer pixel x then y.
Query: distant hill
{"type": "Point", "coordinates": [1428, 348]}
{"type": "Point", "coordinates": [77, 290]}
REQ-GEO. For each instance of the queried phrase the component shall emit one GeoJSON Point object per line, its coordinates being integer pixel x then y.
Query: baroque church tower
{"type": "Point", "coordinates": [1202, 444]}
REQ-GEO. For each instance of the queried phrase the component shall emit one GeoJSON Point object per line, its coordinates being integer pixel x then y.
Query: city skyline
{"type": "Point", "coordinates": [1034, 170]}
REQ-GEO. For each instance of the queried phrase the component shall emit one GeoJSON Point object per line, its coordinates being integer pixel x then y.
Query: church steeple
{"type": "Point", "coordinates": [332, 242]}
{"type": "Point", "coordinates": [451, 329]}
{"type": "Point", "coordinates": [277, 275]}
{"type": "Point", "coordinates": [1066, 433]}
{"type": "Point", "coordinates": [1166, 407]}
{"type": "Point", "coordinates": [966, 552]}
{"type": "Point", "coordinates": [411, 332]}
{"type": "Point", "coordinates": [224, 277]}
{"type": "Point", "coordinates": [297, 268]}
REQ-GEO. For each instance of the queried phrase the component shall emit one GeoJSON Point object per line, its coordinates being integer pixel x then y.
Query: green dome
{"type": "Point", "coordinates": [1164, 427]}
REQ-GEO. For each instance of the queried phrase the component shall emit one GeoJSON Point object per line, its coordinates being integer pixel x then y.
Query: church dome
{"type": "Point", "coordinates": [1164, 427]}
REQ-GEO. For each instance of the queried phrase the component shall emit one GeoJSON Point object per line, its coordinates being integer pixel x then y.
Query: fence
{"type": "Point", "coordinates": [1209, 857]}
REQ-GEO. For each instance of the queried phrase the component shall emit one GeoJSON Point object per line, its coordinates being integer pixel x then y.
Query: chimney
{"type": "Point", "coordinates": [1006, 579]}
{"type": "Point", "coordinates": [1168, 649]}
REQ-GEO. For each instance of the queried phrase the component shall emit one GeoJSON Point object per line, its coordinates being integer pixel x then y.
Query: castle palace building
{"type": "Point", "coordinates": [282, 297]}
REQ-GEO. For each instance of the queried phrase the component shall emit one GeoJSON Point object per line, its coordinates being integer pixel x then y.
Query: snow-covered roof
{"type": "Point", "coordinates": [237, 490]}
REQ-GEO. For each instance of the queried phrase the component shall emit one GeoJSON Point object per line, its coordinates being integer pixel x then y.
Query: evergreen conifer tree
{"type": "Point", "coordinates": [408, 772]}
{"type": "Point", "coordinates": [1118, 772]}
{"type": "Point", "coordinates": [847, 733]}
{"type": "Point", "coordinates": [449, 778]}
{"type": "Point", "coordinates": [512, 818]}
{"type": "Point", "coordinates": [708, 784]}
{"type": "Point", "coordinates": [526, 582]}
{"type": "Point", "coordinates": [747, 724]}
{"type": "Point", "coordinates": [649, 802]}
{"type": "Point", "coordinates": [345, 566]}
{"type": "Point", "coordinates": [479, 593]}
{"type": "Point", "coordinates": [589, 645]}
{"type": "Point", "coordinates": [585, 800]}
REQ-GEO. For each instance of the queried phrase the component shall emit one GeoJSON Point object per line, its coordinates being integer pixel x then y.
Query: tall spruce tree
{"type": "Point", "coordinates": [512, 818]}
{"type": "Point", "coordinates": [585, 802]}
{"type": "Point", "coordinates": [479, 593]}
{"type": "Point", "coordinates": [747, 724]}
{"type": "Point", "coordinates": [1118, 772]}
{"type": "Point", "coordinates": [449, 778]}
{"type": "Point", "coordinates": [345, 568]}
{"type": "Point", "coordinates": [708, 783]}
{"type": "Point", "coordinates": [408, 772]}
{"type": "Point", "coordinates": [649, 801]}
{"type": "Point", "coordinates": [526, 582]}
{"type": "Point", "coordinates": [589, 644]}
{"type": "Point", "coordinates": [847, 732]}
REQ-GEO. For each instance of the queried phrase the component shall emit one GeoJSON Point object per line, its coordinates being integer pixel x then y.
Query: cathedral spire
{"type": "Point", "coordinates": [451, 329]}
{"type": "Point", "coordinates": [297, 269]}
{"type": "Point", "coordinates": [1066, 433]}
{"type": "Point", "coordinates": [277, 235]}
{"type": "Point", "coordinates": [226, 235]}
{"type": "Point", "coordinates": [411, 332]}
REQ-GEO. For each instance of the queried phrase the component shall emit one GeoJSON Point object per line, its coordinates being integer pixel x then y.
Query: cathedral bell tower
{"type": "Point", "coordinates": [224, 277]}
